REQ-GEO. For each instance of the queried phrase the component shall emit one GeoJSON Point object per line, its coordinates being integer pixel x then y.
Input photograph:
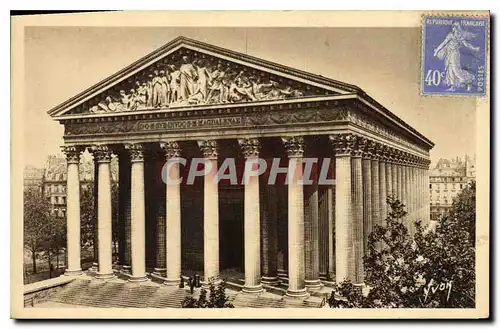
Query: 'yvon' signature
{"type": "Point", "coordinates": [433, 287]}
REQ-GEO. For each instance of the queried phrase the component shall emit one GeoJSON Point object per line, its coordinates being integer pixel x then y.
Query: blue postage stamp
{"type": "Point", "coordinates": [454, 52]}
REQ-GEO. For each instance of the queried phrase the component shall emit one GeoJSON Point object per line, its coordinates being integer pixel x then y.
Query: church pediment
{"type": "Point", "coordinates": [187, 73]}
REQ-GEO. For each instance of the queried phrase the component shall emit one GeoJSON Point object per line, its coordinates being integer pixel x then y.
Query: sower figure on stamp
{"type": "Point", "coordinates": [449, 51]}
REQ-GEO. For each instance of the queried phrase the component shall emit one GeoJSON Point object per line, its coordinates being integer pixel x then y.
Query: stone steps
{"type": "Point", "coordinates": [95, 293]}
{"type": "Point", "coordinates": [118, 293]}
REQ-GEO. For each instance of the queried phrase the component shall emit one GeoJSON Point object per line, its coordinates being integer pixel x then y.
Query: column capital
{"type": "Point", "coordinates": [136, 151]}
{"type": "Point", "coordinates": [294, 146]}
{"type": "Point", "coordinates": [209, 148]}
{"type": "Point", "coordinates": [391, 155]}
{"type": "Point", "coordinates": [346, 144]}
{"type": "Point", "coordinates": [250, 147]}
{"type": "Point", "coordinates": [102, 153]}
{"type": "Point", "coordinates": [384, 153]}
{"type": "Point", "coordinates": [399, 156]}
{"type": "Point", "coordinates": [405, 158]}
{"type": "Point", "coordinates": [367, 146]}
{"type": "Point", "coordinates": [73, 153]}
{"type": "Point", "coordinates": [376, 151]}
{"type": "Point", "coordinates": [413, 160]}
{"type": "Point", "coordinates": [172, 149]}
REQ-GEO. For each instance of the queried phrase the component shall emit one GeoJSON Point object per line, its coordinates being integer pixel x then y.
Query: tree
{"type": "Point", "coordinates": [87, 215]}
{"type": "Point", "coordinates": [216, 299]}
{"type": "Point", "coordinates": [449, 252]}
{"type": "Point", "coordinates": [55, 239]}
{"type": "Point", "coordinates": [36, 221]}
{"type": "Point", "coordinates": [431, 269]}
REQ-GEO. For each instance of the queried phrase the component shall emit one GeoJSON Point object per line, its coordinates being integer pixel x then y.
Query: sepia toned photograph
{"type": "Point", "coordinates": [169, 164]}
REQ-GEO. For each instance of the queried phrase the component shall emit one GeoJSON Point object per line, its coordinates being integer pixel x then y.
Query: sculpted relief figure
{"type": "Point", "coordinates": [216, 86]}
{"type": "Point", "coordinates": [188, 77]}
{"type": "Point", "coordinates": [194, 82]}
{"type": "Point", "coordinates": [204, 79]}
{"type": "Point", "coordinates": [175, 84]}
{"type": "Point", "coordinates": [157, 90]}
{"type": "Point", "coordinates": [165, 89]}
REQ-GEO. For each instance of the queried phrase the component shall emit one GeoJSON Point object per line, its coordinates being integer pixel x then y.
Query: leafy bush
{"type": "Point", "coordinates": [434, 268]}
{"type": "Point", "coordinates": [216, 299]}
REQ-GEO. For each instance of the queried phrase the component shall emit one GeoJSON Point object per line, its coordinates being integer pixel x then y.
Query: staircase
{"type": "Point", "coordinates": [105, 294]}
{"type": "Point", "coordinates": [120, 293]}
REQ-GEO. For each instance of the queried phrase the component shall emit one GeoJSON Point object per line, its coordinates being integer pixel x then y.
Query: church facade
{"type": "Point", "coordinates": [193, 100]}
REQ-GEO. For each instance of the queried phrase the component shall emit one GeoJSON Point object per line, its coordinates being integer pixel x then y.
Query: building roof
{"type": "Point", "coordinates": [328, 85]}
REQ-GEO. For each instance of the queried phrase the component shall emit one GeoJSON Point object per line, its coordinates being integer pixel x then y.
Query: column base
{"type": "Point", "coordinates": [252, 289]}
{"type": "Point", "coordinates": [313, 284]}
{"type": "Point", "coordinates": [160, 272]}
{"type": "Point", "coordinates": [205, 284]}
{"type": "Point", "coordinates": [73, 272]}
{"type": "Point", "coordinates": [270, 280]}
{"type": "Point", "coordinates": [126, 269]}
{"type": "Point", "coordinates": [104, 276]}
{"type": "Point", "coordinates": [297, 293]}
{"type": "Point", "coordinates": [172, 282]}
{"type": "Point", "coordinates": [138, 278]}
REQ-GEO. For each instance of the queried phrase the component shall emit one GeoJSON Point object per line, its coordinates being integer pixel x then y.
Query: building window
{"type": "Point", "coordinates": [430, 185]}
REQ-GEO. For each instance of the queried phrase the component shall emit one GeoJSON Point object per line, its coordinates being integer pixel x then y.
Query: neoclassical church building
{"type": "Point", "coordinates": [189, 100]}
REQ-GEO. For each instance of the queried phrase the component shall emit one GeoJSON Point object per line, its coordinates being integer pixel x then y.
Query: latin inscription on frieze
{"type": "Point", "coordinates": [191, 124]}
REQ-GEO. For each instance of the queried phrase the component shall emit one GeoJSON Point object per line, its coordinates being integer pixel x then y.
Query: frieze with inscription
{"type": "Point", "coordinates": [249, 120]}
{"type": "Point", "coordinates": [368, 123]}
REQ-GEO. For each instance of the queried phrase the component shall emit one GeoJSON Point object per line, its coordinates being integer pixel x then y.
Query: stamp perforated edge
{"type": "Point", "coordinates": [475, 14]}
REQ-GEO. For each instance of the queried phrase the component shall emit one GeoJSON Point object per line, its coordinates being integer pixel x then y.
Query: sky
{"type": "Point", "coordinates": [60, 62]}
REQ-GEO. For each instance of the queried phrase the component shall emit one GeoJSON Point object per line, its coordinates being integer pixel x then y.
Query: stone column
{"type": "Point", "coordinates": [160, 198]}
{"type": "Point", "coordinates": [388, 175]}
{"type": "Point", "coordinates": [345, 262]}
{"type": "Point", "coordinates": [211, 212]}
{"type": "Point", "coordinates": [382, 185]}
{"type": "Point", "coordinates": [73, 210]}
{"type": "Point", "coordinates": [421, 192]}
{"type": "Point", "coordinates": [138, 214]}
{"type": "Point", "coordinates": [173, 212]}
{"type": "Point", "coordinates": [326, 225]}
{"type": "Point", "coordinates": [103, 155]}
{"type": "Point", "coordinates": [357, 194]}
{"type": "Point", "coordinates": [331, 206]}
{"type": "Point", "coordinates": [296, 273]}
{"type": "Point", "coordinates": [426, 192]}
{"type": "Point", "coordinates": [250, 148]}
{"type": "Point", "coordinates": [407, 188]}
{"type": "Point", "coordinates": [417, 190]}
{"type": "Point", "coordinates": [394, 179]}
{"type": "Point", "coordinates": [161, 244]}
{"type": "Point", "coordinates": [124, 207]}
{"type": "Point", "coordinates": [404, 184]}
{"type": "Point", "coordinates": [95, 238]}
{"type": "Point", "coordinates": [376, 219]}
{"type": "Point", "coordinates": [400, 180]}
{"type": "Point", "coordinates": [311, 229]}
{"type": "Point", "coordinates": [413, 201]}
{"type": "Point", "coordinates": [367, 195]}
{"type": "Point", "coordinates": [269, 229]}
